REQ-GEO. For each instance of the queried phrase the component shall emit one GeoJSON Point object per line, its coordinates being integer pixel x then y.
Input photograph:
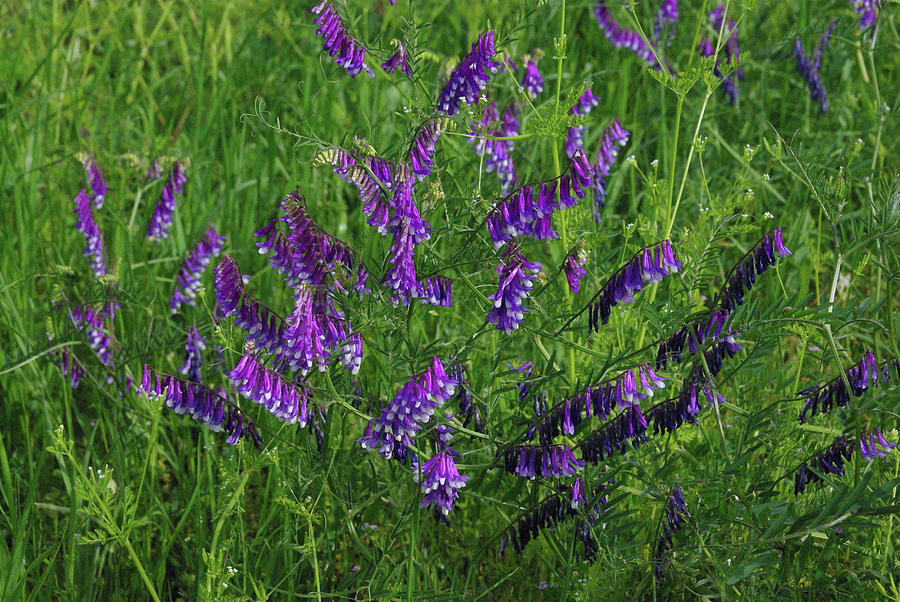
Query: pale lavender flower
{"type": "Point", "coordinates": [441, 482]}
{"type": "Point", "coordinates": [84, 222]}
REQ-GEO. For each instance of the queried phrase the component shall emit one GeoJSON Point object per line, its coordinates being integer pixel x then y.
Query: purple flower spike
{"type": "Point", "coordinates": [868, 12]}
{"type": "Point", "coordinates": [862, 376]}
{"type": "Point", "coordinates": [348, 52]}
{"type": "Point", "coordinates": [731, 52]}
{"type": "Point", "coordinates": [575, 135]}
{"type": "Point", "coordinates": [436, 290]}
{"type": "Point", "coordinates": [756, 262]}
{"type": "Point", "coordinates": [89, 320]}
{"type": "Point", "coordinates": [868, 445]}
{"type": "Point", "coordinates": [95, 181]}
{"type": "Point", "coordinates": [809, 68]}
{"type": "Point", "coordinates": [667, 15]}
{"type": "Point", "coordinates": [676, 516]}
{"type": "Point", "coordinates": [622, 37]}
{"type": "Point", "coordinates": [829, 461]}
{"type": "Point", "coordinates": [515, 275]}
{"type": "Point", "coordinates": [393, 432]}
{"type": "Point", "coordinates": [193, 355]}
{"type": "Point", "coordinates": [549, 461]}
{"type": "Point", "coordinates": [399, 58]}
{"type": "Point", "coordinates": [470, 76]}
{"type": "Point", "coordinates": [532, 82]}
{"type": "Point", "coordinates": [84, 222]}
{"type": "Point", "coordinates": [497, 153]}
{"type": "Point", "coordinates": [257, 383]}
{"type": "Point", "coordinates": [441, 482]}
{"type": "Point", "coordinates": [263, 326]}
{"type": "Point", "coordinates": [421, 152]}
{"type": "Point", "coordinates": [188, 280]}
{"type": "Point", "coordinates": [574, 267]}
{"type": "Point", "coordinates": [161, 221]}
{"type": "Point", "coordinates": [154, 171]}
{"type": "Point", "coordinates": [614, 138]}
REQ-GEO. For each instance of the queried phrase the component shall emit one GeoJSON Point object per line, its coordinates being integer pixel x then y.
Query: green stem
{"type": "Point", "coordinates": [226, 512]}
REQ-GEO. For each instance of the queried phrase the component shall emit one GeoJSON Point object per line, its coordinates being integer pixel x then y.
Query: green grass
{"type": "Point", "coordinates": [180, 514]}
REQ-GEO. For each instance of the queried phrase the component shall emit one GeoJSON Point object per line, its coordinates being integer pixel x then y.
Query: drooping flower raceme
{"type": "Point", "coordinates": [267, 388]}
{"type": "Point", "coordinates": [574, 267]}
{"type": "Point", "coordinates": [497, 153]}
{"type": "Point", "coordinates": [188, 280]}
{"type": "Point", "coordinates": [867, 11]}
{"type": "Point", "coordinates": [85, 317]}
{"type": "Point", "coordinates": [549, 461]}
{"type": "Point", "coordinates": [676, 515]}
{"type": "Point", "coordinates": [666, 15]}
{"type": "Point", "coordinates": [193, 355]}
{"type": "Point", "coordinates": [94, 180]}
{"type": "Point", "coordinates": [347, 52]}
{"type": "Point", "coordinates": [614, 137]}
{"type": "Point", "coordinates": [832, 459]}
{"type": "Point", "coordinates": [515, 275]}
{"type": "Point", "coordinates": [532, 82]}
{"type": "Point", "coordinates": [862, 376]}
{"type": "Point", "coordinates": [759, 259]}
{"type": "Point", "coordinates": [809, 68]}
{"type": "Point", "coordinates": [470, 76]}
{"type": "Point", "coordinates": [575, 134]}
{"type": "Point", "coordinates": [441, 482]}
{"type": "Point", "coordinates": [263, 326]}
{"type": "Point", "coordinates": [84, 222]}
{"type": "Point", "coordinates": [648, 266]}
{"type": "Point", "coordinates": [622, 37]}
{"type": "Point", "coordinates": [731, 52]}
{"type": "Point", "coordinates": [421, 151]}
{"type": "Point", "coordinates": [161, 220]}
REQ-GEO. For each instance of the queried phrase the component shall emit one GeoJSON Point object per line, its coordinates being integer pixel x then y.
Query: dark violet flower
{"type": "Point", "coordinates": [753, 264]}
{"type": "Point", "coordinates": [666, 15]}
{"type": "Point", "coordinates": [263, 326]}
{"type": "Point", "coordinates": [532, 82]}
{"type": "Point", "coordinates": [436, 290]}
{"type": "Point", "coordinates": [575, 135]}
{"type": "Point", "coordinates": [731, 52]}
{"type": "Point", "coordinates": [613, 437]}
{"type": "Point", "coordinates": [515, 275]}
{"type": "Point", "coordinates": [867, 11]}
{"type": "Point", "coordinates": [161, 220]}
{"type": "Point", "coordinates": [267, 388]}
{"type": "Point", "coordinates": [441, 482]}
{"type": "Point", "coordinates": [820, 399]}
{"type": "Point", "coordinates": [470, 76]}
{"type": "Point", "coordinates": [868, 445]}
{"type": "Point", "coordinates": [622, 37]}
{"type": "Point", "coordinates": [578, 496]}
{"type": "Point", "coordinates": [676, 515]}
{"type": "Point", "coordinates": [829, 461]}
{"type": "Point", "coordinates": [809, 68]}
{"type": "Point", "coordinates": [549, 461]}
{"type": "Point", "coordinates": [648, 266]}
{"type": "Point", "coordinates": [347, 52]}
{"type": "Point", "coordinates": [399, 58]}
{"type": "Point", "coordinates": [94, 180]}
{"type": "Point", "coordinates": [574, 267]}
{"type": "Point", "coordinates": [614, 138]}
{"type": "Point", "coordinates": [188, 280]}
{"type": "Point", "coordinates": [392, 433]}
{"type": "Point", "coordinates": [84, 222]}
{"type": "Point", "coordinates": [203, 404]}
{"type": "Point", "coordinates": [71, 367]}
{"type": "Point", "coordinates": [708, 327]}
{"type": "Point", "coordinates": [421, 151]}
{"type": "Point", "coordinates": [193, 355]}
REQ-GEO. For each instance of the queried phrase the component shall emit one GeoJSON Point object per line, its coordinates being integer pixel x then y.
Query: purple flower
{"type": "Point", "coordinates": [348, 52]}
{"type": "Point", "coordinates": [421, 151]}
{"type": "Point", "coordinates": [867, 11]}
{"type": "Point", "coordinates": [436, 290]}
{"type": "Point", "coordinates": [575, 135]}
{"type": "Point", "coordinates": [71, 367]}
{"type": "Point", "coordinates": [612, 438]}
{"type": "Point", "coordinates": [829, 461]}
{"type": "Point", "coordinates": [646, 267]}
{"type": "Point", "coordinates": [497, 153]}
{"type": "Point", "coordinates": [676, 515]}
{"type": "Point", "coordinates": [470, 76]}
{"type": "Point", "coordinates": [393, 432]}
{"type": "Point", "coordinates": [401, 276]}
{"type": "Point", "coordinates": [203, 404]}
{"type": "Point", "coordinates": [623, 37]}
{"type": "Point", "coordinates": [84, 222]}
{"type": "Point", "coordinates": [154, 171]}
{"type": "Point", "coordinates": [666, 15]}
{"type": "Point", "coordinates": [549, 461]}
{"type": "Point", "coordinates": [532, 82]}
{"type": "Point", "coordinates": [89, 320]}
{"type": "Point", "coordinates": [441, 482]}
{"type": "Point", "coordinates": [708, 327]}
{"type": "Point", "coordinates": [754, 264]}
{"type": "Point", "coordinates": [868, 448]}
{"type": "Point", "coordinates": [94, 180]}
{"type": "Point", "coordinates": [862, 376]}
{"type": "Point", "coordinates": [263, 326]}
{"type": "Point", "coordinates": [188, 280]}
{"type": "Point", "coordinates": [399, 58]}
{"type": "Point", "coordinates": [257, 383]}
{"type": "Point", "coordinates": [515, 275]}
{"type": "Point", "coordinates": [614, 136]}
{"type": "Point", "coordinates": [809, 69]}
{"type": "Point", "coordinates": [193, 355]}
{"type": "Point", "coordinates": [161, 220]}
{"type": "Point", "coordinates": [731, 52]}
{"type": "Point", "coordinates": [574, 267]}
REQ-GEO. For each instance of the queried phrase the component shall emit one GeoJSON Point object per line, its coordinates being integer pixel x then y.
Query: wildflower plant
{"type": "Point", "coordinates": [528, 295]}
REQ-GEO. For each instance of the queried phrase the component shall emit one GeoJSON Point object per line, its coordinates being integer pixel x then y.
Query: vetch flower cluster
{"type": "Point", "coordinates": [399, 59]}
{"type": "Point", "coordinates": [188, 280]}
{"type": "Point", "coordinates": [573, 266]}
{"type": "Point", "coordinates": [202, 404]}
{"type": "Point", "coordinates": [612, 438]}
{"type": "Point", "coordinates": [676, 515]}
{"type": "Point", "coordinates": [515, 275]}
{"type": "Point", "coordinates": [347, 52]}
{"type": "Point", "coordinates": [731, 51]}
{"type": "Point", "coordinates": [666, 15]}
{"type": "Point", "coordinates": [648, 266]}
{"type": "Point", "coordinates": [710, 326]}
{"type": "Point", "coordinates": [622, 37]}
{"type": "Point", "coordinates": [549, 461]}
{"type": "Point", "coordinates": [614, 138]}
{"type": "Point", "coordinates": [833, 458]}
{"type": "Point", "coordinates": [441, 483]}
{"type": "Point", "coordinates": [86, 318]}
{"type": "Point", "coordinates": [267, 388]}
{"type": "Point", "coordinates": [868, 12]}
{"type": "Point", "coordinates": [421, 151]}
{"type": "Point", "coordinates": [754, 264]}
{"type": "Point", "coordinates": [86, 224]}
{"type": "Point", "coordinates": [532, 82]}
{"type": "Point", "coordinates": [94, 180]}
{"type": "Point", "coordinates": [470, 76]}
{"type": "Point", "coordinates": [575, 134]}
{"type": "Point", "coordinates": [161, 220]}
{"type": "Point", "coordinates": [497, 153]}
{"type": "Point", "coordinates": [193, 355]}
{"type": "Point", "coordinates": [862, 376]}
{"type": "Point", "coordinates": [263, 326]}
{"type": "Point", "coordinates": [809, 68]}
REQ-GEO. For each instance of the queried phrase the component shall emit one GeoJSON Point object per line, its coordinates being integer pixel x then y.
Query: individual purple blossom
{"type": "Point", "coordinates": [574, 267]}
{"type": "Point", "coordinates": [548, 461]}
{"type": "Point", "coordinates": [867, 11]}
{"type": "Point", "coordinates": [436, 290]}
{"type": "Point", "coordinates": [470, 76]}
{"type": "Point", "coordinates": [515, 275]}
{"type": "Point", "coordinates": [421, 151]}
{"type": "Point", "coordinates": [347, 52]}
{"type": "Point", "coordinates": [622, 37]}
{"type": "Point", "coordinates": [413, 406]}
{"type": "Point", "coordinates": [441, 482]}
{"type": "Point", "coordinates": [263, 326]}
{"type": "Point", "coordinates": [575, 134]}
{"type": "Point", "coordinates": [193, 355]}
{"type": "Point", "coordinates": [578, 496]}
{"type": "Point", "coordinates": [161, 220]}
{"type": "Point", "coordinates": [399, 58]}
{"type": "Point", "coordinates": [647, 266]}
{"type": "Point", "coordinates": [862, 376]}
{"type": "Point", "coordinates": [188, 280]}
{"type": "Point", "coordinates": [203, 404]}
{"type": "Point", "coordinates": [614, 137]}
{"type": "Point", "coordinates": [532, 82]}
{"type": "Point", "coordinates": [868, 445]}
{"type": "Point", "coordinates": [757, 261]}
{"type": "Point", "coordinates": [267, 388]}
{"type": "Point", "coordinates": [94, 180]}
{"type": "Point", "coordinates": [809, 68]}
{"type": "Point", "coordinates": [85, 223]}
